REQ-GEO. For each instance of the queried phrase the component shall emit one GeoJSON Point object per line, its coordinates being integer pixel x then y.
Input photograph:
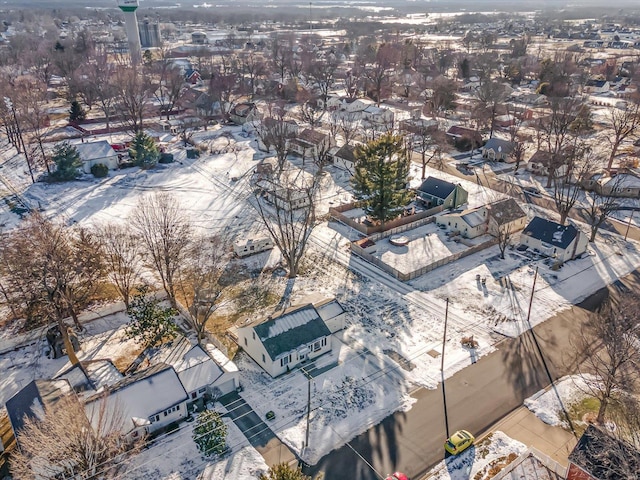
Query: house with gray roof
{"type": "Point", "coordinates": [93, 153]}
{"type": "Point", "coordinates": [497, 149]}
{"type": "Point", "coordinates": [280, 343]}
{"type": "Point", "coordinates": [562, 242]}
{"type": "Point", "coordinates": [435, 192]}
{"type": "Point", "coordinates": [505, 217]}
{"type": "Point", "coordinates": [468, 223]}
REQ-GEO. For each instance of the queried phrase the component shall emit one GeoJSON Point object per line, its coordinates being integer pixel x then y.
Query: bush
{"type": "Point", "coordinates": [210, 433]}
{"type": "Point", "coordinates": [166, 158]}
{"type": "Point", "coordinates": [100, 170]}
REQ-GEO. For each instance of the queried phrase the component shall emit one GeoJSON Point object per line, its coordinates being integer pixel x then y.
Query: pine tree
{"type": "Point", "coordinates": [150, 322]}
{"type": "Point", "coordinates": [144, 151]}
{"type": "Point", "coordinates": [76, 112]}
{"type": "Point", "coordinates": [67, 160]}
{"type": "Point", "coordinates": [210, 433]}
{"type": "Point", "coordinates": [381, 177]}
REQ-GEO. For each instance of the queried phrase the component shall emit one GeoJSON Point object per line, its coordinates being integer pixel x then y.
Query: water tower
{"type": "Point", "coordinates": [129, 8]}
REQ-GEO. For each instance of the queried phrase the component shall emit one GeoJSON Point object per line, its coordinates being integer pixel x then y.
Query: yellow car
{"type": "Point", "coordinates": [458, 442]}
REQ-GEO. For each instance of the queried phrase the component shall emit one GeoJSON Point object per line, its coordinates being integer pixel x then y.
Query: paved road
{"type": "Point", "coordinates": [477, 397]}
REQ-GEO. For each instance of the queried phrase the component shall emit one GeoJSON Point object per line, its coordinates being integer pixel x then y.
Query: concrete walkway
{"type": "Point", "coordinates": [524, 426]}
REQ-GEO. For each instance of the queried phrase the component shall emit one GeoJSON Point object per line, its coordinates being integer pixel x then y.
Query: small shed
{"type": "Point", "coordinates": [93, 153]}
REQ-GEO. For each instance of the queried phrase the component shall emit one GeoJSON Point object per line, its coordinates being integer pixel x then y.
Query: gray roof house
{"type": "Point", "coordinates": [93, 153]}
{"type": "Point", "coordinates": [435, 192]}
{"type": "Point", "coordinates": [283, 342]}
{"type": "Point", "coordinates": [562, 242]}
{"type": "Point", "coordinates": [497, 149]}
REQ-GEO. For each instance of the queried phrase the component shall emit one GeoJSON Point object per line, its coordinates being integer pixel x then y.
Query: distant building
{"type": "Point", "coordinates": [149, 33]}
{"type": "Point", "coordinates": [199, 38]}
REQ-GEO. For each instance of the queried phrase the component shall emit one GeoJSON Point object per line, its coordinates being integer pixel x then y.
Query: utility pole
{"type": "Point", "coordinates": [309, 377]}
{"type": "Point", "coordinates": [444, 341]}
{"type": "Point", "coordinates": [533, 289]}
{"type": "Point", "coordinates": [629, 225]}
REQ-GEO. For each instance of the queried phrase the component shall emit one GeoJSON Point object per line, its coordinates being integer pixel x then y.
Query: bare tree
{"type": "Point", "coordinates": [286, 205]}
{"type": "Point", "coordinates": [322, 74]}
{"type": "Point", "coordinates": [491, 95]}
{"type": "Point", "coordinates": [504, 234]}
{"type": "Point", "coordinates": [253, 66]}
{"type": "Point", "coordinates": [379, 68]}
{"type": "Point", "coordinates": [133, 91]}
{"type": "Point", "coordinates": [428, 143]}
{"type": "Point", "coordinates": [103, 80]}
{"type": "Point", "coordinates": [198, 281]}
{"type": "Point", "coordinates": [311, 113]}
{"type": "Point", "coordinates": [566, 188]}
{"type": "Point", "coordinates": [600, 206]}
{"type": "Point", "coordinates": [610, 350]}
{"type": "Point", "coordinates": [166, 234]}
{"type": "Point", "coordinates": [275, 131]}
{"type": "Point", "coordinates": [63, 443]}
{"type": "Point", "coordinates": [123, 258]}
{"type": "Point", "coordinates": [624, 122]}
{"type": "Point", "coordinates": [169, 88]}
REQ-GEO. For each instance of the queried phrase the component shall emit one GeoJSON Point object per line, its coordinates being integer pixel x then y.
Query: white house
{"type": "Point", "coordinates": [345, 158]}
{"type": "Point", "coordinates": [281, 343]}
{"type": "Point", "coordinates": [506, 217]}
{"type": "Point", "coordinates": [309, 143]}
{"type": "Point", "coordinates": [541, 161]}
{"type": "Point", "coordinates": [197, 369]}
{"type": "Point", "coordinates": [147, 400]}
{"type": "Point", "coordinates": [469, 223]}
{"type": "Point", "coordinates": [93, 153]}
{"type": "Point", "coordinates": [250, 246]}
{"type": "Point", "coordinates": [562, 242]}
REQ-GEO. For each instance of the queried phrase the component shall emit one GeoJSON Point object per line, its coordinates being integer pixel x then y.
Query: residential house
{"type": "Point", "coordinates": [197, 369]}
{"type": "Point", "coordinates": [596, 86]}
{"type": "Point", "coordinates": [497, 149]}
{"type": "Point", "coordinates": [418, 126]}
{"type": "Point", "coordinates": [310, 143]}
{"type": "Point", "coordinates": [599, 455]}
{"type": "Point", "coordinates": [562, 242]}
{"type": "Point", "coordinates": [242, 113]}
{"type": "Point", "coordinates": [32, 401]}
{"type": "Point", "coordinates": [94, 153]}
{"type": "Point", "coordinates": [468, 223]}
{"type": "Point", "coordinates": [201, 103]}
{"type": "Point", "coordinates": [283, 342]}
{"type": "Point", "coordinates": [541, 161]}
{"type": "Point", "coordinates": [148, 400]}
{"type": "Point", "coordinates": [435, 192]}
{"type": "Point", "coordinates": [345, 157]}
{"type": "Point", "coordinates": [285, 197]}
{"type": "Point", "coordinates": [377, 117]}
{"type": "Point", "coordinates": [622, 184]}
{"type": "Point", "coordinates": [505, 217]}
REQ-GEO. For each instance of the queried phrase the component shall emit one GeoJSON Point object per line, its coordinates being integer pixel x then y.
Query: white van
{"type": "Point", "coordinates": [244, 248]}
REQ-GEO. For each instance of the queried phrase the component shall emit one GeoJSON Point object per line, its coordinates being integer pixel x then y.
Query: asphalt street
{"type": "Point", "coordinates": [477, 397]}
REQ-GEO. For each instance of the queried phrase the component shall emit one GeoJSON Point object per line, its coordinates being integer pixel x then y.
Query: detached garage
{"type": "Point", "coordinates": [97, 152]}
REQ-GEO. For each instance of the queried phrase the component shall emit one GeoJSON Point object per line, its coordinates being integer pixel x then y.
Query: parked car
{"type": "Point", "coordinates": [458, 442]}
{"type": "Point", "coordinates": [534, 192]}
{"type": "Point", "coordinates": [397, 476]}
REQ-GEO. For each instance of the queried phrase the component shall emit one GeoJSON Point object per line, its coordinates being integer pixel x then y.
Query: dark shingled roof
{"type": "Point", "coordinates": [498, 144]}
{"type": "Point", "coordinates": [294, 328]}
{"type": "Point", "coordinates": [36, 395]}
{"type": "Point", "coordinates": [437, 188]}
{"type": "Point", "coordinates": [551, 232]}
{"type": "Point", "coordinates": [347, 152]}
{"type": "Point", "coordinates": [505, 211]}
{"type": "Point", "coordinates": [605, 457]}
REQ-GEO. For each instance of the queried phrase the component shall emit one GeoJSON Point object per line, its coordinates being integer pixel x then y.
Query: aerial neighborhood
{"type": "Point", "coordinates": [356, 241]}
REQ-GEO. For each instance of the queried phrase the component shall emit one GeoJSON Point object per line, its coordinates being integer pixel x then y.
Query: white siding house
{"type": "Point", "coordinates": [286, 341]}
{"type": "Point", "coordinates": [147, 400]}
{"type": "Point", "coordinates": [469, 223]}
{"type": "Point", "coordinates": [562, 242]}
{"type": "Point", "coordinates": [94, 153]}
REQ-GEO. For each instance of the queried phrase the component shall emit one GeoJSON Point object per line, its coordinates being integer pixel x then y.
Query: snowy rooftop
{"type": "Point", "coordinates": [100, 149]}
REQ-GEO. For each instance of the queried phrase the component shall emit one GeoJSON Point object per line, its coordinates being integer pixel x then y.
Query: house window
{"type": "Point", "coordinates": [284, 361]}
{"type": "Point", "coordinates": [202, 390]}
{"type": "Point", "coordinates": [254, 335]}
{"type": "Point", "coordinates": [158, 418]}
{"type": "Point", "coordinates": [194, 394]}
{"type": "Point", "coordinates": [324, 342]}
{"type": "Point", "coordinates": [165, 413]}
{"type": "Point", "coordinates": [177, 407]}
{"type": "Point", "coordinates": [245, 341]}
{"type": "Point", "coordinates": [316, 346]}
{"type": "Point", "coordinates": [263, 359]}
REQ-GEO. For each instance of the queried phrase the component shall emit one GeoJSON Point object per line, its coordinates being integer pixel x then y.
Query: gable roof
{"type": "Point", "coordinates": [93, 150]}
{"type": "Point", "coordinates": [551, 232]}
{"type": "Point", "coordinates": [473, 217]}
{"type": "Point", "coordinates": [346, 152]}
{"type": "Point", "coordinates": [313, 137]}
{"type": "Point", "coordinates": [542, 157]}
{"type": "Point", "coordinates": [603, 456]}
{"type": "Point", "coordinates": [505, 211]}
{"type": "Point", "coordinates": [436, 187]}
{"type": "Point", "coordinates": [498, 145]}
{"type": "Point", "coordinates": [31, 401]}
{"type": "Point", "coordinates": [290, 330]}
{"type": "Point", "coordinates": [139, 396]}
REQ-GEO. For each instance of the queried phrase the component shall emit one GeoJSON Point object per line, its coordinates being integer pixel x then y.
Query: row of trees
{"type": "Point", "coordinates": [69, 267]}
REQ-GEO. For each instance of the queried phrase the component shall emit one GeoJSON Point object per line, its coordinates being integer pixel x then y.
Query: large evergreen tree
{"type": "Point", "coordinates": [150, 323]}
{"type": "Point", "coordinates": [76, 112]}
{"type": "Point", "coordinates": [144, 151]}
{"type": "Point", "coordinates": [67, 160]}
{"type": "Point", "coordinates": [210, 433]}
{"type": "Point", "coordinates": [381, 177]}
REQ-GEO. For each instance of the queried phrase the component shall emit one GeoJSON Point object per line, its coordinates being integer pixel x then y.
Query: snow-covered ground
{"type": "Point", "coordinates": [548, 404]}
{"type": "Point", "coordinates": [393, 341]}
{"type": "Point", "coordinates": [480, 461]}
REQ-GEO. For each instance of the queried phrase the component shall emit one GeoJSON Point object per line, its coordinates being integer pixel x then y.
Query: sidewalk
{"type": "Point", "coordinates": [524, 426]}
